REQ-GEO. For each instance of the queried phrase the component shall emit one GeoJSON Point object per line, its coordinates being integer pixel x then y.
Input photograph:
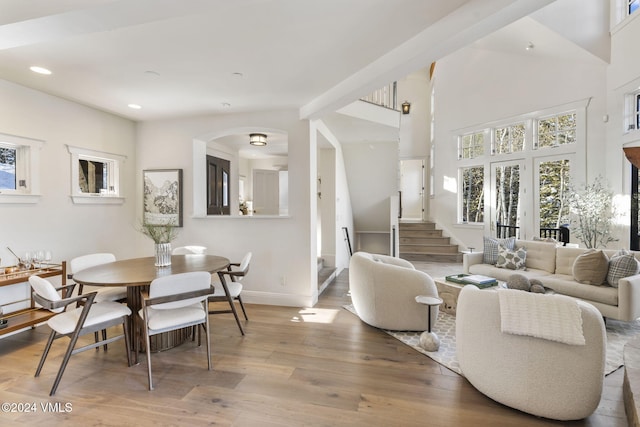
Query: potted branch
{"type": "Point", "coordinates": [162, 235]}
{"type": "Point", "coordinates": [592, 213]}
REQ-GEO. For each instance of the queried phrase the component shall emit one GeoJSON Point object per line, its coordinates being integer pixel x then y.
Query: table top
{"type": "Point", "coordinates": [428, 300]}
{"type": "Point", "coordinates": [142, 271]}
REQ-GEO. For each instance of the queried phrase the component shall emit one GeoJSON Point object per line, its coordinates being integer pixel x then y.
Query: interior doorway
{"type": "Point", "coordinates": [412, 189]}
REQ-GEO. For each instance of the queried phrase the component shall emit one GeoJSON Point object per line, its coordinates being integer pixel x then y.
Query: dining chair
{"type": "Point", "coordinates": [84, 319]}
{"type": "Point", "coordinates": [174, 302]}
{"type": "Point", "coordinates": [105, 293]}
{"type": "Point", "coordinates": [230, 291]}
{"type": "Point", "coordinates": [191, 249]}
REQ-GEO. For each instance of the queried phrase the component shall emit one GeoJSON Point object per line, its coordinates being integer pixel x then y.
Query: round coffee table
{"type": "Point", "coordinates": [429, 340]}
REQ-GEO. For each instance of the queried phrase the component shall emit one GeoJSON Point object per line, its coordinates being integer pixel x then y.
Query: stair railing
{"type": "Point", "coordinates": [386, 96]}
{"type": "Point", "coordinates": [345, 230]}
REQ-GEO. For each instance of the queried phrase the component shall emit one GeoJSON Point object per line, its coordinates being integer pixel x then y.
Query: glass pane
{"type": "Point", "coordinates": [7, 168]}
{"type": "Point", "coordinates": [92, 176]}
{"type": "Point", "coordinates": [507, 194]}
{"type": "Point", "coordinates": [554, 180]}
{"type": "Point", "coordinates": [633, 6]}
{"type": "Point", "coordinates": [473, 194]}
{"type": "Point", "coordinates": [225, 188]}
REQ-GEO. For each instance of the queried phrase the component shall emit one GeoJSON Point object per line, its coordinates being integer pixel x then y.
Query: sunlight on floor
{"type": "Point", "coordinates": [316, 315]}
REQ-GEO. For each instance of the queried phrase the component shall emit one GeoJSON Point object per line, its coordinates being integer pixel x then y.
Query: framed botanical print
{"type": "Point", "coordinates": [162, 197]}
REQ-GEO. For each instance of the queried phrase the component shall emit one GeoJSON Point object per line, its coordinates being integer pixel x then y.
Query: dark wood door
{"type": "Point", "coordinates": [218, 186]}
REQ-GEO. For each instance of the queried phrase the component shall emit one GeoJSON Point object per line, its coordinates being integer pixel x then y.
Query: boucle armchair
{"type": "Point", "coordinates": [383, 291]}
{"type": "Point", "coordinates": [541, 377]}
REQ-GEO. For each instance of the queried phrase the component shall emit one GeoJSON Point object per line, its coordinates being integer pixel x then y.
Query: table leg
{"type": "Point", "coordinates": [429, 340]}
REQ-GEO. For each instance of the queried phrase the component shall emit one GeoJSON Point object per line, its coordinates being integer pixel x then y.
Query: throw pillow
{"type": "Point", "coordinates": [591, 267]}
{"type": "Point", "coordinates": [490, 255]}
{"type": "Point", "coordinates": [512, 260]}
{"type": "Point", "coordinates": [622, 264]}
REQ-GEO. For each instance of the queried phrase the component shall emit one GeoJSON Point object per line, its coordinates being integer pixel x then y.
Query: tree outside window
{"type": "Point", "coordinates": [7, 168]}
{"type": "Point", "coordinates": [473, 194]}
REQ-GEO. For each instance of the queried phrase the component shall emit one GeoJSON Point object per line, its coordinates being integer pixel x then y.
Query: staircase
{"type": "Point", "coordinates": [326, 275]}
{"type": "Point", "coordinates": [421, 241]}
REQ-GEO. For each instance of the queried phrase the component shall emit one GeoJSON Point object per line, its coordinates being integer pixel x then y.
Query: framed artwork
{"type": "Point", "coordinates": [162, 197]}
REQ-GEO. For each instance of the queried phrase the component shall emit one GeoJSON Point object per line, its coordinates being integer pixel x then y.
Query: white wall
{"type": "Point", "coordinates": [284, 249]}
{"type": "Point", "coordinates": [55, 223]}
{"type": "Point", "coordinates": [475, 86]}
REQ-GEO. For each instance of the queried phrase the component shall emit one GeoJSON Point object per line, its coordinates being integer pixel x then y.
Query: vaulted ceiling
{"type": "Point", "coordinates": [189, 57]}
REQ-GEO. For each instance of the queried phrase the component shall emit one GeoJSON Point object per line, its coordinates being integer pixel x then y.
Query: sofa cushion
{"type": "Point", "coordinates": [565, 257]}
{"type": "Point", "coordinates": [540, 255]}
{"type": "Point", "coordinates": [504, 274]}
{"type": "Point", "coordinates": [591, 267]}
{"type": "Point", "coordinates": [511, 259]}
{"type": "Point", "coordinates": [490, 255]}
{"type": "Point", "coordinates": [622, 264]}
{"type": "Point", "coordinates": [564, 284]}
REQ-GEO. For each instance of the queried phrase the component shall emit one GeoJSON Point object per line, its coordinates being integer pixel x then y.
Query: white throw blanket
{"type": "Point", "coordinates": [551, 317]}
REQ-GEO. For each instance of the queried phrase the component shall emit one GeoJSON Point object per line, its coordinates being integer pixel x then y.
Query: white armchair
{"type": "Point", "coordinates": [383, 292]}
{"type": "Point", "coordinates": [541, 377]}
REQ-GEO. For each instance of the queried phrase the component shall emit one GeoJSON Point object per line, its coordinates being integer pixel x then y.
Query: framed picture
{"type": "Point", "coordinates": [162, 201]}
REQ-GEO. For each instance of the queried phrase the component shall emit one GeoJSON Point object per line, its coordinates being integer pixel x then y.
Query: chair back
{"type": "Point", "coordinates": [178, 284]}
{"type": "Point", "coordinates": [46, 290]}
{"type": "Point", "coordinates": [244, 264]}
{"type": "Point", "coordinates": [188, 250]}
{"type": "Point", "coordinates": [86, 261]}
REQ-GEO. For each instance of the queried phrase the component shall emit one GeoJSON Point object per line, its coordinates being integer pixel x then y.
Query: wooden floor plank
{"type": "Point", "coordinates": [295, 366]}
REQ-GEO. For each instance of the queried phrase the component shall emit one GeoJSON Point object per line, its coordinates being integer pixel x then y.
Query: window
{"type": "Point", "coordinates": [19, 174]}
{"type": "Point", "coordinates": [632, 111]}
{"type": "Point", "coordinates": [509, 139]}
{"type": "Point", "coordinates": [8, 168]}
{"type": "Point", "coordinates": [556, 131]}
{"type": "Point", "coordinates": [632, 6]}
{"type": "Point", "coordinates": [471, 146]}
{"type": "Point", "coordinates": [553, 182]}
{"type": "Point", "coordinates": [95, 176]}
{"type": "Point", "coordinates": [472, 194]}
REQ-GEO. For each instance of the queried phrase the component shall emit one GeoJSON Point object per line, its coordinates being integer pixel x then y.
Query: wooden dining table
{"type": "Point", "coordinates": [137, 274]}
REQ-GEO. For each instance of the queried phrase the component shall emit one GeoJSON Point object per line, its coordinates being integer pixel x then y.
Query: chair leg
{"type": "Point", "coordinates": [148, 351]}
{"type": "Point", "coordinates": [208, 339]}
{"type": "Point", "coordinates": [104, 338]}
{"type": "Point", "coordinates": [242, 306]}
{"type": "Point", "coordinates": [127, 341]}
{"type": "Point", "coordinates": [65, 361]}
{"type": "Point", "coordinates": [47, 347]}
{"type": "Point", "coordinates": [235, 313]}
{"type": "Point", "coordinates": [96, 335]}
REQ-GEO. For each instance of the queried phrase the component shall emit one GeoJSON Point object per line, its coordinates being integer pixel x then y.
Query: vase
{"type": "Point", "coordinates": [163, 254]}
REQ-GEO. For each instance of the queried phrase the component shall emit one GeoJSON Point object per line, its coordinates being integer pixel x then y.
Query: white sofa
{"type": "Point", "coordinates": [553, 266]}
{"type": "Point", "coordinates": [383, 291]}
{"type": "Point", "coordinates": [541, 377]}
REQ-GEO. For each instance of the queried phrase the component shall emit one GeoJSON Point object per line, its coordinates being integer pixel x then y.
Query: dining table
{"type": "Point", "coordinates": [136, 274]}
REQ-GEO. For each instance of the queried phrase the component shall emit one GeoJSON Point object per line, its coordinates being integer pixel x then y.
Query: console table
{"type": "Point", "coordinates": [31, 315]}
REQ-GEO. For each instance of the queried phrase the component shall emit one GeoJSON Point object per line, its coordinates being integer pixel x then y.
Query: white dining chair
{"type": "Point", "coordinates": [231, 290]}
{"type": "Point", "coordinates": [174, 302]}
{"type": "Point", "coordinates": [104, 293]}
{"type": "Point", "coordinates": [86, 318]}
{"type": "Point", "coordinates": [188, 250]}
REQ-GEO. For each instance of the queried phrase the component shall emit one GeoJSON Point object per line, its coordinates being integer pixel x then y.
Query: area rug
{"type": "Point", "coordinates": [618, 333]}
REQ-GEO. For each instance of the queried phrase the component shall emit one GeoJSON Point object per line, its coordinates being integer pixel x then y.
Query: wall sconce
{"type": "Point", "coordinates": [406, 107]}
{"type": "Point", "coordinates": [258, 139]}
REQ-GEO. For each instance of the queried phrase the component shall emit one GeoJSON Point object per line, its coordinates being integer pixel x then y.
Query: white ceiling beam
{"type": "Point", "coordinates": [467, 24]}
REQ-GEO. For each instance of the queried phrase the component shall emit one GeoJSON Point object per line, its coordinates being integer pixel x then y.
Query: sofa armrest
{"type": "Point", "coordinates": [469, 259]}
{"type": "Point", "coordinates": [629, 298]}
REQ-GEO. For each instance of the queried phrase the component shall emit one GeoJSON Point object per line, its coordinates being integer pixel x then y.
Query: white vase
{"type": "Point", "coordinates": [163, 254]}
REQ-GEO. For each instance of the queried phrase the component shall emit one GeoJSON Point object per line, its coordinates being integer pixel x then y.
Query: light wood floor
{"type": "Point", "coordinates": [295, 367]}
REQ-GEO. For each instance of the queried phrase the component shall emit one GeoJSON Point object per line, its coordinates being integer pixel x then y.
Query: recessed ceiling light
{"type": "Point", "coordinates": [238, 75]}
{"type": "Point", "coordinates": [134, 106]}
{"type": "Point", "coordinates": [152, 73]}
{"type": "Point", "coordinates": [530, 46]}
{"type": "Point", "coordinates": [226, 105]}
{"type": "Point", "coordinates": [40, 70]}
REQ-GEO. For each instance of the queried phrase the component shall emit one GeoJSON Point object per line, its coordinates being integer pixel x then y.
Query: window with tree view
{"type": "Point", "coordinates": [509, 139]}
{"type": "Point", "coordinates": [473, 194]}
{"type": "Point", "coordinates": [471, 146]}
{"type": "Point", "coordinates": [553, 181]}
{"type": "Point", "coordinates": [7, 168]}
{"type": "Point", "coordinates": [556, 131]}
